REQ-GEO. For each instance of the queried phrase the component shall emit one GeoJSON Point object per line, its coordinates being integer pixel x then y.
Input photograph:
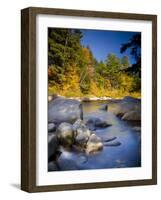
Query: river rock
{"type": "Point", "coordinates": [67, 161]}
{"type": "Point", "coordinates": [78, 124]}
{"type": "Point", "coordinates": [86, 99]}
{"type": "Point", "coordinates": [128, 108]}
{"type": "Point", "coordinates": [109, 139]}
{"type": "Point", "coordinates": [94, 144]}
{"type": "Point", "coordinates": [113, 144]}
{"type": "Point", "coordinates": [104, 107]}
{"type": "Point", "coordinates": [62, 109]}
{"type": "Point", "coordinates": [81, 133]}
{"type": "Point", "coordinates": [51, 127]}
{"type": "Point", "coordinates": [94, 122]}
{"type": "Point", "coordinates": [82, 159]}
{"type": "Point", "coordinates": [132, 115]}
{"type": "Point", "coordinates": [65, 134]}
{"type": "Point", "coordinates": [131, 99]}
{"type": "Point", "coordinates": [82, 136]}
{"type": "Point", "coordinates": [52, 145]}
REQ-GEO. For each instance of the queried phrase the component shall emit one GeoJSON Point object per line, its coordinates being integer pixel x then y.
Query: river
{"type": "Point", "coordinates": [128, 154]}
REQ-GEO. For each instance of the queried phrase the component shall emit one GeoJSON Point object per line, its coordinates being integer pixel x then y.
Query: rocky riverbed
{"type": "Point", "coordinates": [94, 134]}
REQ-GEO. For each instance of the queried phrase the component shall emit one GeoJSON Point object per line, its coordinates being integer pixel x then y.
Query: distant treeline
{"type": "Point", "coordinates": [74, 71]}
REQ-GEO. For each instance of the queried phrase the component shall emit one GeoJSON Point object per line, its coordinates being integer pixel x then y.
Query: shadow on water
{"type": "Point", "coordinates": [128, 154]}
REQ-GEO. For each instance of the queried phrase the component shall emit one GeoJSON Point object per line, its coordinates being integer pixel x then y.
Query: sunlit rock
{"type": "Point", "coordinates": [94, 144]}
{"type": "Point", "coordinates": [62, 109]}
{"type": "Point", "coordinates": [65, 134]}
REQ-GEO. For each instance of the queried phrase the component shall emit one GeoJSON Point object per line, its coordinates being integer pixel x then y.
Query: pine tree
{"type": "Point", "coordinates": [63, 51]}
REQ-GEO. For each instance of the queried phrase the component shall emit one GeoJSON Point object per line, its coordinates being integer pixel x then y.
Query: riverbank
{"type": "Point", "coordinates": [84, 99]}
{"type": "Point", "coordinates": [88, 99]}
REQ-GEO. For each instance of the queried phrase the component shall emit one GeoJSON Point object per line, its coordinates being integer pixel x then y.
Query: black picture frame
{"type": "Point", "coordinates": [28, 98]}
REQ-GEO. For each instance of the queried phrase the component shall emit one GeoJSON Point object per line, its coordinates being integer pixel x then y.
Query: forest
{"type": "Point", "coordinates": [73, 70]}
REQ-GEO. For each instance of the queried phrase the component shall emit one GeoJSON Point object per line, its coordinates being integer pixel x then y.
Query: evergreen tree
{"type": "Point", "coordinates": [113, 65]}
{"type": "Point", "coordinates": [134, 45]}
{"type": "Point", "coordinates": [63, 50]}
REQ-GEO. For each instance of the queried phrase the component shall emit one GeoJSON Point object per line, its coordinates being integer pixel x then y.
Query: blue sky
{"type": "Point", "coordinates": [103, 42]}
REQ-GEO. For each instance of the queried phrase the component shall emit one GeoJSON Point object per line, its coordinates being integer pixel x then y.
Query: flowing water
{"type": "Point", "coordinates": [128, 154]}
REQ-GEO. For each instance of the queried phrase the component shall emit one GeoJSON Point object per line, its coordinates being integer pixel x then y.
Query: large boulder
{"type": "Point", "coordinates": [65, 134]}
{"type": "Point", "coordinates": [62, 109]}
{"type": "Point", "coordinates": [132, 116]}
{"type": "Point", "coordinates": [128, 108]}
{"type": "Point", "coordinates": [94, 144]}
{"type": "Point", "coordinates": [82, 136]}
{"type": "Point", "coordinates": [81, 133]}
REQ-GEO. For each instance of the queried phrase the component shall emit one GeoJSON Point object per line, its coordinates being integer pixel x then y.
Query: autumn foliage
{"type": "Point", "coordinates": [74, 72]}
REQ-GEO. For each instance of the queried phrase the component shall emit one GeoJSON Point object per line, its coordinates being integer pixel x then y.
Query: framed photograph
{"type": "Point", "coordinates": [89, 99]}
